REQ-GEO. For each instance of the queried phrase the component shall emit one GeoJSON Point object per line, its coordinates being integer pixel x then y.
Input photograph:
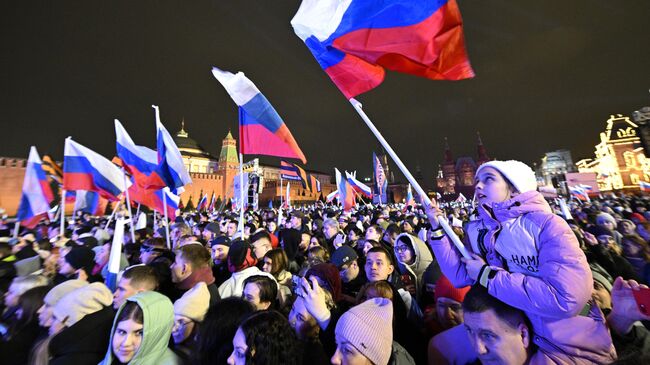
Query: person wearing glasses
{"type": "Point", "coordinates": [413, 258]}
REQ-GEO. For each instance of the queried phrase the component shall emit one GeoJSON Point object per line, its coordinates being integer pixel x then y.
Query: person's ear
{"type": "Point", "coordinates": [525, 335]}
{"type": "Point", "coordinates": [392, 268]}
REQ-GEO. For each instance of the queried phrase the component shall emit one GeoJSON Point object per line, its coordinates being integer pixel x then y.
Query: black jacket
{"type": "Point", "coordinates": [86, 342]}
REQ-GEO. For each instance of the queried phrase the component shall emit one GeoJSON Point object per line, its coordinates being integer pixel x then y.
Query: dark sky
{"type": "Point", "coordinates": [548, 75]}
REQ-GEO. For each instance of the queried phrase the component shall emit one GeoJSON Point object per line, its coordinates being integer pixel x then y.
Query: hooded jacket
{"type": "Point", "coordinates": [158, 315]}
{"type": "Point", "coordinates": [421, 260]}
{"type": "Point", "coordinates": [538, 267]}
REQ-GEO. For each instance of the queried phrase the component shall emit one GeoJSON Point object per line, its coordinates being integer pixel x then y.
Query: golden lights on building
{"type": "Point", "coordinates": [619, 162]}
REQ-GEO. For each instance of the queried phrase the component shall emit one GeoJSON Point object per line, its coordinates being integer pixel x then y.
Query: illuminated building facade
{"type": "Point", "coordinates": [619, 162]}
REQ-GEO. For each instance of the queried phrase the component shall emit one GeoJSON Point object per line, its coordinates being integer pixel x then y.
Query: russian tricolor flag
{"type": "Point", "coordinates": [171, 168]}
{"type": "Point", "coordinates": [85, 169]}
{"type": "Point", "coordinates": [410, 201]}
{"type": "Point", "coordinates": [87, 201]}
{"type": "Point", "coordinates": [354, 40]}
{"type": "Point", "coordinates": [358, 186]}
{"type": "Point", "coordinates": [345, 192]}
{"type": "Point", "coordinates": [154, 199]}
{"type": "Point", "coordinates": [645, 186]}
{"type": "Point", "coordinates": [261, 129]}
{"type": "Point", "coordinates": [139, 161]}
{"type": "Point", "coordinates": [37, 194]}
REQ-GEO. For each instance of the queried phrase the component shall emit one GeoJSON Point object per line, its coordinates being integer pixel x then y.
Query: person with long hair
{"type": "Point", "coordinates": [17, 342]}
{"type": "Point", "coordinates": [214, 342]}
{"type": "Point", "coordinates": [265, 338]}
{"type": "Point", "coordinates": [141, 332]}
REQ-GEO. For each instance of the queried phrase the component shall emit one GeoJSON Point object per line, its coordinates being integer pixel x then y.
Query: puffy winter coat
{"type": "Point", "coordinates": [539, 268]}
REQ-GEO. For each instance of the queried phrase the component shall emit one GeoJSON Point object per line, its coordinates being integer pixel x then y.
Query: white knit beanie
{"type": "Point", "coordinates": [194, 303]}
{"type": "Point", "coordinates": [81, 302]}
{"type": "Point", "coordinates": [520, 175]}
{"type": "Point", "coordinates": [369, 328]}
{"type": "Point", "coordinates": [55, 294]}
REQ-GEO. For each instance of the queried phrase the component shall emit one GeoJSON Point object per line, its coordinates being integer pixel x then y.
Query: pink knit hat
{"type": "Point", "coordinates": [369, 328]}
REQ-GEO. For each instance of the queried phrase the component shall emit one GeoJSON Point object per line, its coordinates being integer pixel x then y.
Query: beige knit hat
{"type": "Point", "coordinates": [194, 303]}
{"type": "Point", "coordinates": [81, 302]}
{"type": "Point", "coordinates": [369, 328]}
{"type": "Point", "coordinates": [55, 294]}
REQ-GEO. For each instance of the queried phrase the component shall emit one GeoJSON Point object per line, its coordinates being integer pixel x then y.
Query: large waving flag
{"type": "Point", "coordinates": [85, 169]}
{"type": "Point", "coordinates": [139, 161]}
{"type": "Point", "coordinates": [345, 191]}
{"type": "Point", "coordinates": [170, 163]}
{"type": "Point", "coordinates": [354, 40]}
{"type": "Point", "coordinates": [37, 194]}
{"type": "Point", "coordinates": [357, 185]}
{"type": "Point", "coordinates": [381, 183]}
{"type": "Point", "coordinates": [261, 129]}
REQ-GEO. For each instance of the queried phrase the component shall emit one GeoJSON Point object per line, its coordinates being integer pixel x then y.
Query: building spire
{"type": "Point", "coordinates": [448, 157]}
{"type": "Point", "coordinates": [482, 152]}
{"type": "Point", "coordinates": [182, 132]}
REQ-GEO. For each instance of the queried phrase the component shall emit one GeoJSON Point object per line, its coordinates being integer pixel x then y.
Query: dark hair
{"type": "Point", "coordinates": [268, 288]}
{"type": "Point", "coordinates": [141, 276]}
{"type": "Point", "coordinates": [130, 310]}
{"type": "Point", "coordinates": [643, 245]}
{"type": "Point", "coordinates": [381, 249]}
{"type": "Point", "coordinates": [377, 228]}
{"type": "Point", "coordinates": [196, 255]}
{"type": "Point", "coordinates": [393, 229]}
{"type": "Point", "coordinates": [478, 300]}
{"type": "Point", "coordinates": [214, 343]}
{"type": "Point", "coordinates": [320, 252]}
{"type": "Point", "coordinates": [272, 340]}
{"type": "Point", "coordinates": [279, 261]}
{"type": "Point", "coordinates": [30, 301]}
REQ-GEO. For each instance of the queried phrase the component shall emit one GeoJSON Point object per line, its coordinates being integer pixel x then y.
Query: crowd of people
{"type": "Point", "coordinates": [543, 283]}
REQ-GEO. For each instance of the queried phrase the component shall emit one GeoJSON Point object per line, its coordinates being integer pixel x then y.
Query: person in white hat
{"type": "Point", "coordinates": [528, 257]}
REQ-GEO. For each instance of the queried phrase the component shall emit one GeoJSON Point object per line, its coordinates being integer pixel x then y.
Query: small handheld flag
{"type": "Point", "coordinates": [115, 254]}
{"type": "Point", "coordinates": [36, 194]}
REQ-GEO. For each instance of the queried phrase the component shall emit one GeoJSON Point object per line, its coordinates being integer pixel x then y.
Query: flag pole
{"type": "Point", "coordinates": [16, 228]}
{"type": "Point", "coordinates": [164, 193]}
{"type": "Point", "coordinates": [280, 189]}
{"type": "Point", "coordinates": [62, 216]}
{"type": "Point", "coordinates": [241, 194]}
{"type": "Point", "coordinates": [128, 204]}
{"type": "Point", "coordinates": [443, 223]}
{"type": "Point", "coordinates": [110, 218]}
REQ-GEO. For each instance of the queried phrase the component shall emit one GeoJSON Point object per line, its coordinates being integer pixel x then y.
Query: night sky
{"type": "Point", "coordinates": [548, 75]}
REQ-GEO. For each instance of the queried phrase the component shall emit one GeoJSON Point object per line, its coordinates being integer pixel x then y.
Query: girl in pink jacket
{"type": "Point", "coordinates": [529, 258]}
